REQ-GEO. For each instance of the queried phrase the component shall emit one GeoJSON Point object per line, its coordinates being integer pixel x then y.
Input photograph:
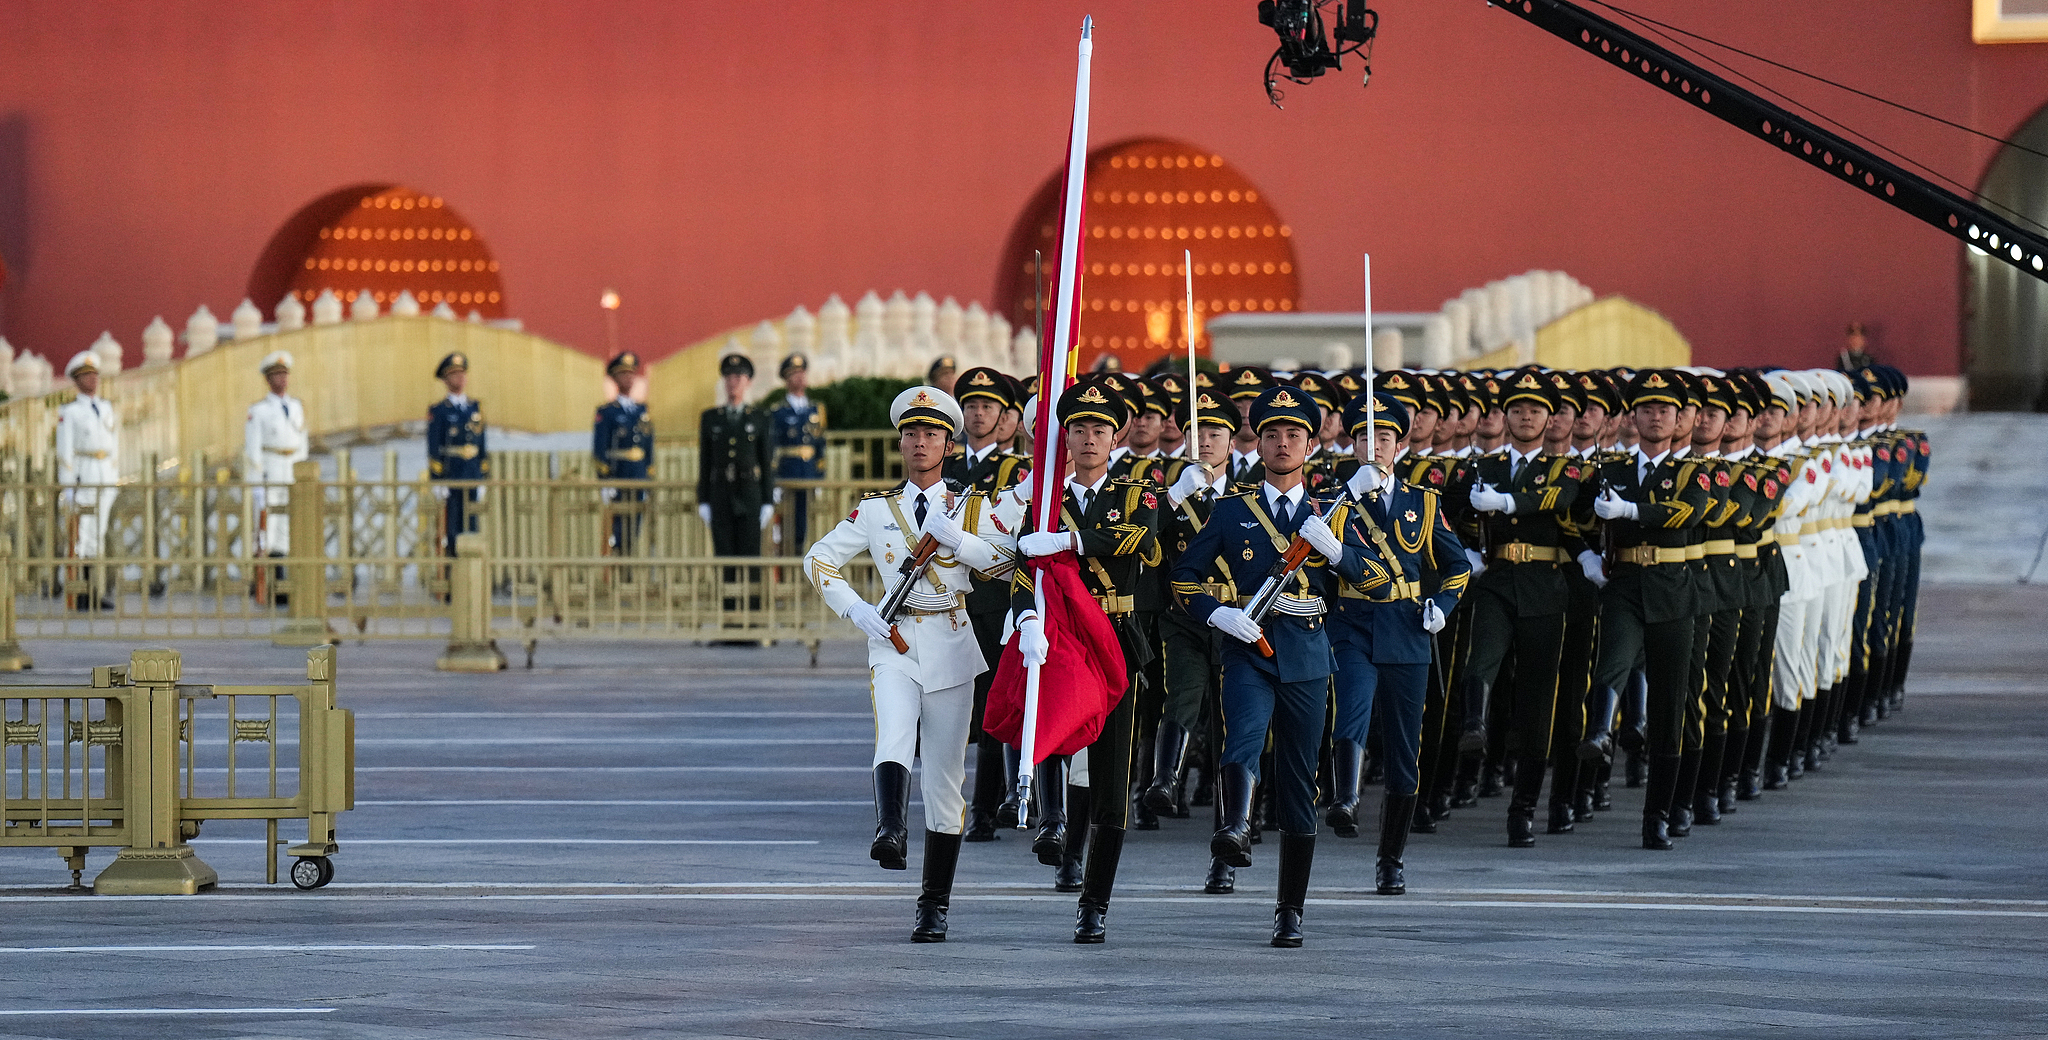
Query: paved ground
{"type": "Point", "coordinates": [655, 841]}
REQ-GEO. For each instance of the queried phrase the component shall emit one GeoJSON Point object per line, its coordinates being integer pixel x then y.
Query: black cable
{"type": "Point", "coordinates": [1822, 79]}
{"type": "Point", "coordinates": [1870, 142]}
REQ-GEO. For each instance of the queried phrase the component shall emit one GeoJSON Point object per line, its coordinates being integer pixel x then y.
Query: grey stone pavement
{"type": "Point", "coordinates": [654, 840]}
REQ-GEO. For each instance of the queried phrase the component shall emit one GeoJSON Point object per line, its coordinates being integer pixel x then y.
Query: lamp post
{"type": "Point", "coordinates": [610, 302]}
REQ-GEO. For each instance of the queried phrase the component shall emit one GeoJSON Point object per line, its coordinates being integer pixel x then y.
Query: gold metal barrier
{"type": "Point", "coordinates": [139, 760]}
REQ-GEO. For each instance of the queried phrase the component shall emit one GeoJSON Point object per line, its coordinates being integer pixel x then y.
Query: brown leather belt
{"type": "Point", "coordinates": [1523, 552]}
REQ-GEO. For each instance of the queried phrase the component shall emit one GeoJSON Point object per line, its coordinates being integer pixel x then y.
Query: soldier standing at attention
{"type": "Point", "coordinates": [923, 695]}
{"type": "Point", "coordinates": [986, 469]}
{"type": "Point", "coordinates": [456, 447]}
{"type": "Point", "coordinates": [799, 440]}
{"type": "Point", "coordinates": [88, 462]}
{"type": "Point", "coordinates": [1287, 694]}
{"type": "Point", "coordinates": [733, 444]}
{"type": "Point", "coordinates": [622, 443]}
{"type": "Point", "coordinates": [273, 440]}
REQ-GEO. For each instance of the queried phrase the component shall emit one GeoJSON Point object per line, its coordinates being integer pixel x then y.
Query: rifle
{"type": "Point", "coordinates": [892, 605]}
{"type": "Point", "coordinates": [1276, 581]}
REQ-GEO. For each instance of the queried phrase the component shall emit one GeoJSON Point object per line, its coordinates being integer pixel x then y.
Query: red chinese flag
{"type": "Point", "coordinates": [1082, 678]}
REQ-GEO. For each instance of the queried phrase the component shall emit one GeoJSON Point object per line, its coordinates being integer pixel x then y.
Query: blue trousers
{"type": "Point", "coordinates": [1255, 702]}
{"type": "Point", "coordinates": [1400, 690]}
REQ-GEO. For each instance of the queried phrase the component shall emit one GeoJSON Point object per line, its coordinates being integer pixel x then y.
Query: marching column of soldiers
{"type": "Point", "coordinates": [1457, 585]}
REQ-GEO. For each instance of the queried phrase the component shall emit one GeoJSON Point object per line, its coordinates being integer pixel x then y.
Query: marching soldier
{"type": "Point", "coordinates": [923, 693]}
{"type": "Point", "coordinates": [984, 468]}
{"type": "Point", "coordinates": [1284, 695]}
{"type": "Point", "coordinates": [799, 439]}
{"type": "Point", "coordinates": [1384, 627]}
{"type": "Point", "coordinates": [1650, 501]}
{"type": "Point", "coordinates": [457, 448]}
{"type": "Point", "coordinates": [1112, 526]}
{"type": "Point", "coordinates": [622, 446]}
{"type": "Point", "coordinates": [88, 463]}
{"type": "Point", "coordinates": [733, 464]}
{"type": "Point", "coordinates": [273, 440]}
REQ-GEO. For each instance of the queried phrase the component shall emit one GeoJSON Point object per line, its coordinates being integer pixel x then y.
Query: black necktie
{"type": "Point", "coordinates": [1087, 500]}
{"type": "Point", "coordinates": [1515, 474]}
{"type": "Point", "coordinates": [1281, 514]}
{"type": "Point", "coordinates": [922, 508]}
{"type": "Point", "coordinates": [95, 406]}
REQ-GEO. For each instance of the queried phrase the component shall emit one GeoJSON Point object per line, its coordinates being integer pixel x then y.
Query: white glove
{"type": "Point", "coordinates": [1191, 482]}
{"type": "Point", "coordinates": [1023, 490]}
{"type": "Point", "coordinates": [767, 511]}
{"type": "Point", "coordinates": [866, 618]}
{"type": "Point", "coordinates": [945, 528]}
{"type": "Point", "coordinates": [1610, 505]}
{"type": "Point", "coordinates": [1477, 561]}
{"type": "Point", "coordinates": [1487, 500]}
{"type": "Point", "coordinates": [1318, 535]}
{"type": "Point", "coordinates": [1432, 617]}
{"type": "Point", "coordinates": [1595, 568]}
{"type": "Point", "coordinates": [480, 489]}
{"type": "Point", "coordinates": [1236, 624]}
{"type": "Point", "coordinates": [440, 492]}
{"type": "Point", "coordinates": [704, 513]}
{"type": "Point", "coordinates": [1045, 543]}
{"type": "Point", "coordinates": [1031, 641]}
{"type": "Point", "coordinates": [610, 494]}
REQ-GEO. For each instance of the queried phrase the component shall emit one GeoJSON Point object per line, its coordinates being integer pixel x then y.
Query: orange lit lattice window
{"type": "Point", "coordinates": [383, 239]}
{"type": "Point", "coordinates": [1149, 200]}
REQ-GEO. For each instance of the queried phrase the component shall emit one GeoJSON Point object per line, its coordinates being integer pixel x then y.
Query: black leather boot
{"type": "Point", "coordinates": [1678, 810]}
{"type": "Point", "coordinates": [1599, 743]}
{"type": "Point", "coordinates": [1007, 813]}
{"type": "Point", "coordinates": [1297, 855]}
{"type": "Point", "coordinates": [1105, 847]}
{"type": "Point", "coordinates": [1850, 714]}
{"type": "Point", "coordinates": [1493, 780]}
{"type": "Point", "coordinates": [1777, 759]}
{"type": "Point", "coordinates": [1222, 879]}
{"type": "Point", "coordinates": [892, 807]}
{"type": "Point", "coordinates": [1421, 821]}
{"type": "Point", "coordinates": [1636, 769]}
{"type": "Point", "coordinates": [1663, 780]}
{"type": "Point", "coordinates": [1635, 716]}
{"type": "Point", "coordinates": [1075, 846]}
{"type": "Point", "coordinates": [988, 791]}
{"type": "Point", "coordinates": [1465, 791]}
{"type": "Point", "coordinates": [1473, 736]}
{"type": "Point", "coordinates": [1731, 769]}
{"type": "Point", "coordinates": [1233, 843]}
{"type": "Point", "coordinates": [941, 855]}
{"type": "Point", "coordinates": [1706, 786]}
{"type": "Point", "coordinates": [1389, 873]}
{"type": "Point", "coordinates": [1603, 789]}
{"type": "Point", "coordinates": [1522, 805]}
{"type": "Point", "coordinates": [1169, 754]}
{"type": "Point", "coordinates": [1346, 761]}
{"type": "Point", "coordinates": [1049, 786]}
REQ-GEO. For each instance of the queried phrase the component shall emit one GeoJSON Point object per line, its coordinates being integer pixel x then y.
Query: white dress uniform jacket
{"type": "Point", "coordinates": [273, 440]}
{"type": "Point", "coordinates": [88, 453]}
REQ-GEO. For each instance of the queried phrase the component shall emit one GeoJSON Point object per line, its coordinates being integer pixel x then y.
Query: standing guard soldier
{"type": "Point", "coordinates": [1112, 525]}
{"type": "Point", "coordinates": [273, 441]}
{"type": "Point", "coordinates": [1384, 628]}
{"type": "Point", "coordinates": [1651, 501]}
{"type": "Point", "coordinates": [733, 465]}
{"type": "Point", "coordinates": [985, 397]}
{"type": "Point", "coordinates": [923, 694]}
{"type": "Point", "coordinates": [622, 446]}
{"type": "Point", "coordinates": [88, 462]}
{"type": "Point", "coordinates": [799, 441]}
{"type": "Point", "coordinates": [456, 447]}
{"type": "Point", "coordinates": [1518, 603]}
{"type": "Point", "coordinates": [1286, 695]}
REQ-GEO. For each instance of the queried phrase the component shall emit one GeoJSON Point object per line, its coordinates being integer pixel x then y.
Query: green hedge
{"type": "Point", "coordinates": [855, 403]}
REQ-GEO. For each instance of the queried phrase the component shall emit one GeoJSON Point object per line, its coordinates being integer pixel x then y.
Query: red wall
{"type": "Point", "coordinates": [718, 165]}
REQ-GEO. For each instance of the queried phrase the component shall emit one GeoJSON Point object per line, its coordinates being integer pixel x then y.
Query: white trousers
{"type": "Point", "coordinates": [1840, 614]}
{"type": "Point", "coordinates": [902, 709]}
{"type": "Point", "coordinates": [1792, 668]}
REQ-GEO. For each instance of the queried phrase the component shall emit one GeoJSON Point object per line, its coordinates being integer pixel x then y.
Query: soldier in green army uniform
{"type": "Point", "coordinates": [735, 445]}
{"type": "Point", "coordinates": [1518, 599]}
{"type": "Point", "coordinates": [985, 468]}
{"type": "Point", "coordinates": [1651, 500]}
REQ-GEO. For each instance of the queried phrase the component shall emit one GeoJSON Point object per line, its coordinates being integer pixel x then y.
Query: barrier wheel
{"type": "Point", "coordinates": [310, 872]}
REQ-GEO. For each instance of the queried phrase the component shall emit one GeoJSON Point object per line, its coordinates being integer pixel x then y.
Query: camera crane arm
{"type": "Point", "coordinates": [1853, 164]}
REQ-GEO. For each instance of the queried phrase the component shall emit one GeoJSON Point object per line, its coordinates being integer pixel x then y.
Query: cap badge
{"type": "Point", "coordinates": [1283, 399]}
{"type": "Point", "coordinates": [1092, 395]}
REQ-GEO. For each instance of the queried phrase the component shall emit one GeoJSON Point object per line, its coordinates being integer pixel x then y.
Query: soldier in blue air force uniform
{"type": "Point", "coordinates": [456, 449]}
{"type": "Point", "coordinates": [1287, 693]}
{"type": "Point", "coordinates": [622, 444]}
{"type": "Point", "coordinates": [799, 438]}
{"type": "Point", "coordinates": [1383, 628]}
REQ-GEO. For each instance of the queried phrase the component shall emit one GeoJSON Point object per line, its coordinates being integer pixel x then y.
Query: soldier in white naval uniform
{"type": "Point", "coordinates": [273, 440]}
{"type": "Point", "coordinates": [88, 454]}
{"type": "Point", "coordinates": [928, 690]}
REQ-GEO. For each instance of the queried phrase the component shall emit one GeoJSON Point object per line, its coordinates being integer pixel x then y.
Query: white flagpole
{"type": "Point", "coordinates": [1371, 382]}
{"type": "Point", "coordinates": [1053, 380]}
{"type": "Point", "coordinates": [1188, 321]}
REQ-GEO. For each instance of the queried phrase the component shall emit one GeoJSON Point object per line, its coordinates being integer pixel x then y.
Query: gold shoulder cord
{"type": "Point", "coordinates": [1095, 565]}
